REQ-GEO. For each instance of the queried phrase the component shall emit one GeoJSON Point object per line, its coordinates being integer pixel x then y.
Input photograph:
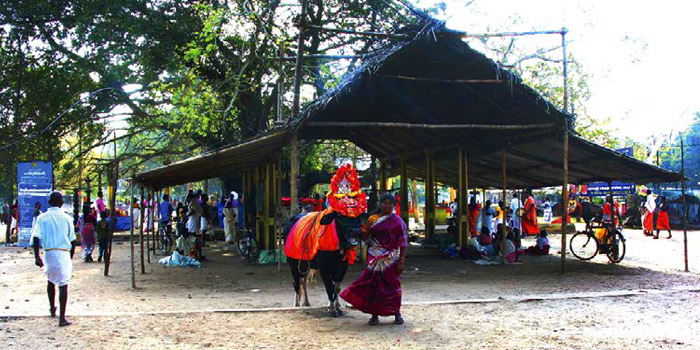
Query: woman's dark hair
{"type": "Point", "coordinates": [387, 196]}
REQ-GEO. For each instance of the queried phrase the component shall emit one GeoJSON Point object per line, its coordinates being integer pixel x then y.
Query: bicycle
{"type": "Point", "coordinates": [585, 245]}
{"type": "Point", "coordinates": [165, 239]}
{"type": "Point", "coordinates": [248, 246]}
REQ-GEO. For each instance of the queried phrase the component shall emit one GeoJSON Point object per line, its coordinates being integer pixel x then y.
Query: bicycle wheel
{"type": "Point", "coordinates": [583, 245]}
{"type": "Point", "coordinates": [616, 251]}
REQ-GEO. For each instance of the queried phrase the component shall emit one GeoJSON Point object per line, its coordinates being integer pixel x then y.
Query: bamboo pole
{"type": "Point", "coordinates": [448, 34]}
{"type": "Point", "coordinates": [432, 126]}
{"type": "Point", "coordinates": [266, 207]}
{"type": "Point", "coordinates": [450, 81]}
{"type": "Point", "coordinates": [113, 207]}
{"type": "Point", "coordinates": [154, 206]}
{"type": "Point", "coordinates": [403, 192]}
{"type": "Point", "coordinates": [294, 142]}
{"type": "Point", "coordinates": [278, 222]}
{"type": "Point", "coordinates": [142, 211]}
{"type": "Point", "coordinates": [505, 186]}
{"type": "Point", "coordinates": [565, 161]}
{"type": "Point", "coordinates": [685, 208]}
{"type": "Point", "coordinates": [429, 197]}
{"type": "Point", "coordinates": [461, 232]}
{"type": "Point", "coordinates": [131, 231]}
{"type": "Point", "coordinates": [149, 210]}
{"type": "Point", "coordinates": [464, 208]}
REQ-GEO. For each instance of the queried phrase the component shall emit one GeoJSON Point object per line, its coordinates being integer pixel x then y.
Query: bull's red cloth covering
{"type": "Point", "coordinates": [662, 221]}
{"type": "Point", "coordinates": [378, 289]}
{"type": "Point", "coordinates": [308, 236]}
{"type": "Point", "coordinates": [345, 196]}
{"type": "Point", "coordinates": [529, 218]}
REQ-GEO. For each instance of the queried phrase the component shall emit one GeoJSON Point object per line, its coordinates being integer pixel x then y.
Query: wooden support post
{"type": "Point", "coordinates": [382, 176]}
{"type": "Point", "coordinates": [278, 211]}
{"type": "Point", "coordinates": [429, 197]}
{"type": "Point", "coordinates": [141, 219]}
{"type": "Point", "coordinates": [294, 142]}
{"type": "Point", "coordinates": [403, 192]}
{"type": "Point", "coordinates": [112, 207]}
{"type": "Point", "coordinates": [462, 200]}
{"type": "Point", "coordinates": [266, 207]}
{"type": "Point", "coordinates": [154, 204]}
{"type": "Point", "coordinates": [685, 208]}
{"type": "Point", "coordinates": [564, 197]}
{"type": "Point", "coordinates": [565, 160]}
{"type": "Point", "coordinates": [149, 210]}
{"type": "Point", "coordinates": [131, 231]}
{"type": "Point", "coordinates": [505, 186]}
{"type": "Point", "coordinates": [272, 207]}
{"type": "Point", "coordinates": [259, 220]}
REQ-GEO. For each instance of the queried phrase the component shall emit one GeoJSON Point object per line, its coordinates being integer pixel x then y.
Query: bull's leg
{"type": "Point", "coordinates": [338, 276]}
{"type": "Point", "coordinates": [327, 269]}
{"type": "Point", "coordinates": [297, 279]}
{"type": "Point", "coordinates": [306, 293]}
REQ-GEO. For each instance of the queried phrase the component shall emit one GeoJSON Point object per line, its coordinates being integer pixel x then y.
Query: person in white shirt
{"type": "Point", "coordinates": [55, 234]}
{"type": "Point", "coordinates": [515, 204]}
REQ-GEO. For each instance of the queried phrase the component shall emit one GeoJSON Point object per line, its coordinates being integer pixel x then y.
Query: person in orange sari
{"type": "Point", "coordinates": [662, 218]}
{"type": "Point", "coordinates": [473, 215]}
{"type": "Point", "coordinates": [529, 217]}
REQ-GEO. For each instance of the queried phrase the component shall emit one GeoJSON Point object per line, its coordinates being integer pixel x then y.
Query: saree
{"type": "Point", "coordinates": [529, 218]}
{"type": "Point", "coordinates": [377, 290]}
{"type": "Point", "coordinates": [87, 237]}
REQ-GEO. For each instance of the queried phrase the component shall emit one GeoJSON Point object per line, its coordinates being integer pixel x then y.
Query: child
{"type": "Point", "coordinates": [542, 246]}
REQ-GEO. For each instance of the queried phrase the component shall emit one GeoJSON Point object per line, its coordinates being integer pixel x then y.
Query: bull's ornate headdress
{"type": "Point", "coordinates": [345, 196]}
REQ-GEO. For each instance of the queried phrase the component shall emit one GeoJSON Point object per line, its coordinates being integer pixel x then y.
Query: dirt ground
{"type": "Point", "coordinates": [174, 308]}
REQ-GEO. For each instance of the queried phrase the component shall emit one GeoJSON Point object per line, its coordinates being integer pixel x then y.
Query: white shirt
{"type": "Point", "coordinates": [651, 203]}
{"type": "Point", "coordinates": [515, 204]}
{"type": "Point", "coordinates": [54, 228]}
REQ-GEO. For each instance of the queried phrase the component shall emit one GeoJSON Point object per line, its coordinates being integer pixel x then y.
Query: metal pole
{"type": "Point", "coordinates": [685, 208]}
{"type": "Point", "coordinates": [565, 159]}
{"type": "Point", "coordinates": [294, 142]}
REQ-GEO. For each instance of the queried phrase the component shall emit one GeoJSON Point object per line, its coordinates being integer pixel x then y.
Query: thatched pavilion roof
{"type": "Point", "coordinates": [434, 93]}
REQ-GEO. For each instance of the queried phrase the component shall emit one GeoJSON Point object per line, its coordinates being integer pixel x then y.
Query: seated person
{"type": "Point", "coordinates": [186, 245]}
{"type": "Point", "coordinates": [542, 246]}
{"type": "Point", "coordinates": [510, 254]}
{"type": "Point", "coordinates": [486, 240]}
{"type": "Point", "coordinates": [474, 250]}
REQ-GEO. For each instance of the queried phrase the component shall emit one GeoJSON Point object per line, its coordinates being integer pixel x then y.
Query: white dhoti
{"type": "Point", "coordinates": [204, 224]}
{"type": "Point", "coordinates": [192, 222]}
{"type": "Point", "coordinates": [58, 266]}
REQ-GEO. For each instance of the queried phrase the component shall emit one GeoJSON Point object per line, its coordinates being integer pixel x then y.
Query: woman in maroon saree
{"type": "Point", "coordinates": [378, 289]}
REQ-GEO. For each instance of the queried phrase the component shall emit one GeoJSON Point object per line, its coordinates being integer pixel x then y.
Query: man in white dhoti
{"type": "Point", "coordinates": [55, 234]}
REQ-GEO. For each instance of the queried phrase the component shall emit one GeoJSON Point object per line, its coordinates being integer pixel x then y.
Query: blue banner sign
{"type": "Point", "coordinates": [34, 185]}
{"type": "Point", "coordinates": [602, 189]}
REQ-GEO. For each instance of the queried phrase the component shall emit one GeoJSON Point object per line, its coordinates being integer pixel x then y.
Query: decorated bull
{"type": "Point", "coordinates": [327, 240]}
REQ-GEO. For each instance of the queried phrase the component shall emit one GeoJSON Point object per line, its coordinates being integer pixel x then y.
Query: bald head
{"type": "Point", "coordinates": [56, 199]}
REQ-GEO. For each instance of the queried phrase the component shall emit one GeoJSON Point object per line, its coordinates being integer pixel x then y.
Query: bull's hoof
{"type": "Point", "coordinates": [306, 303]}
{"type": "Point", "coordinates": [333, 312]}
{"type": "Point", "coordinates": [339, 312]}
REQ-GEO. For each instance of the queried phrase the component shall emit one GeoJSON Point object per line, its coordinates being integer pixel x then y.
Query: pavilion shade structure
{"type": "Point", "coordinates": [431, 92]}
{"type": "Point", "coordinates": [224, 161]}
{"type": "Point", "coordinates": [434, 93]}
